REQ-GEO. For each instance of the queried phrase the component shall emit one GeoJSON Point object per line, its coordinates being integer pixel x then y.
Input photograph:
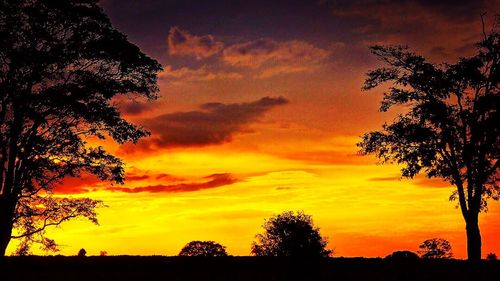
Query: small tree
{"type": "Point", "coordinates": [451, 127]}
{"type": "Point", "coordinates": [290, 235]}
{"type": "Point", "coordinates": [402, 256]}
{"type": "Point", "coordinates": [435, 248]}
{"type": "Point", "coordinates": [82, 252]}
{"type": "Point", "coordinates": [491, 257]}
{"type": "Point", "coordinates": [203, 249]}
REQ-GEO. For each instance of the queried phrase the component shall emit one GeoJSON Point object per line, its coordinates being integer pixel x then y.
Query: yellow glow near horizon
{"type": "Point", "coordinates": [361, 212]}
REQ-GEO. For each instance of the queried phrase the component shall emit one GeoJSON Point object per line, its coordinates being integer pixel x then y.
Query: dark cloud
{"type": "Point", "coordinates": [275, 57]}
{"type": "Point", "coordinates": [168, 177]}
{"type": "Point", "coordinates": [390, 178]}
{"type": "Point", "coordinates": [314, 156]}
{"type": "Point", "coordinates": [76, 185]}
{"type": "Point", "coordinates": [452, 10]}
{"type": "Point", "coordinates": [202, 74]}
{"type": "Point", "coordinates": [132, 105]}
{"type": "Point", "coordinates": [418, 23]}
{"type": "Point", "coordinates": [420, 180]}
{"type": "Point", "coordinates": [130, 177]}
{"type": "Point", "coordinates": [133, 108]}
{"type": "Point", "coordinates": [212, 181]}
{"type": "Point", "coordinates": [181, 42]}
{"type": "Point", "coordinates": [87, 182]}
{"type": "Point", "coordinates": [423, 181]}
{"type": "Point", "coordinates": [136, 177]}
{"type": "Point", "coordinates": [214, 123]}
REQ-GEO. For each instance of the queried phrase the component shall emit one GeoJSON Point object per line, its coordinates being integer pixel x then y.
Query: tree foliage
{"type": "Point", "coordinates": [402, 256]}
{"type": "Point", "coordinates": [451, 125]}
{"type": "Point", "coordinates": [290, 235]}
{"type": "Point", "coordinates": [491, 257]}
{"type": "Point", "coordinates": [61, 66]}
{"type": "Point", "coordinates": [203, 249]}
{"type": "Point", "coordinates": [82, 253]}
{"type": "Point", "coordinates": [435, 248]}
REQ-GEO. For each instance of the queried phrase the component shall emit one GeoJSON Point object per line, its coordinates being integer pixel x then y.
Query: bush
{"type": "Point", "coordinates": [435, 248]}
{"type": "Point", "coordinates": [491, 257]}
{"type": "Point", "coordinates": [402, 255]}
{"type": "Point", "coordinates": [203, 249]}
{"type": "Point", "coordinates": [290, 235]}
{"type": "Point", "coordinates": [82, 252]}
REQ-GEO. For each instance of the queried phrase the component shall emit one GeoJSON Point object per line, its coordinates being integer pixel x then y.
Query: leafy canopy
{"type": "Point", "coordinates": [290, 235]}
{"type": "Point", "coordinates": [435, 248]}
{"type": "Point", "coordinates": [62, 65]}
{"type": "Point", "coordinates": [451, 125]}
{"type": "Point", "coordinates": [203, 249]}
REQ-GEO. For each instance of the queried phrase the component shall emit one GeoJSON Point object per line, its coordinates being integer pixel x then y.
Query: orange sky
{"type": "Point", "coordinates": [260, 114]}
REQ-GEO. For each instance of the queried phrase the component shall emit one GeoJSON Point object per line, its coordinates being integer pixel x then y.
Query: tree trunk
{"type": "Point", "coordinates": [6, 223]}
{"type": "Point", "coordinates": [473, 240]}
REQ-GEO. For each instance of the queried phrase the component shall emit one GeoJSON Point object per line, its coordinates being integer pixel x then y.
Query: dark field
{"type": "Point", "coordinates": [240, 268]}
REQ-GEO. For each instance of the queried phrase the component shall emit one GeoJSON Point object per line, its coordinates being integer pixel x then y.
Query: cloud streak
{"type": "Point", "coordinates": [202, 74]}
{"type": "Point", "coordinates": [212, 181]}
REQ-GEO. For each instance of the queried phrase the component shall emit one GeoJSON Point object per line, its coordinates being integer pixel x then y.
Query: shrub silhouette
{"type": "Point", "coordinates": [491, 257]}
{"type": "Point", "coordinates": [203, 249]}
{"type": "Point", "coordinates": [82, 252]}
{"type": "Point", "coordinates": [290, 235]}
{"type": "Point", "coordinates": [402, 255]}
{"type": "Point", "coordinates": [435, 248]}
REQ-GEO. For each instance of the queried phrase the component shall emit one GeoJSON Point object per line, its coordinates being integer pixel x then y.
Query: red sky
{"type": "Point", "coordinates": [259, 112]}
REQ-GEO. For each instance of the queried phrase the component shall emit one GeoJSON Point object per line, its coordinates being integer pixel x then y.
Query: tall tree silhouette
{"type": "Point", "coordinates": [290, 235]}
{"type": "Point", "coordinates": [451, 127]}
{"type": "Point", "coordinates": [62, 63]}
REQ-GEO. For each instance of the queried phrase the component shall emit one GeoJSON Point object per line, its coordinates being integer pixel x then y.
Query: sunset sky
{"type": "Point", "coordinates": [260, 110]}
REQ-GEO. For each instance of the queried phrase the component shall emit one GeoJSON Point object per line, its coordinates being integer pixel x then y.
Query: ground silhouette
{"type": "Point", "coordinates": [126, 268]}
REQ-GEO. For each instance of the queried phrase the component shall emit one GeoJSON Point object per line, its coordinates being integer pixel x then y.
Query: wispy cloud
{"type": "Point", "coordinates": [271, 53]}
{"type": "Point", "coordinates": [181, 42]}
{"type": "Point", "coordinates": [419, 180]}
{"type": "Point", "coordinates": [258, 59]}
{"type": "Point", "coordinates": [204, 73]}
{"type": "Point", "coordinates": [212, 181]}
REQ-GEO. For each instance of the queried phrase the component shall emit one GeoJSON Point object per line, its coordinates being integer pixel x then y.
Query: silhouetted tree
{"type": "Point", "coordinates": [203, 249]}
{"type": "Point", "coordinates": [435, 248]}
{"type": "Point", "coordinates": [103, 253]}
{"type": "Point", "coordinates": [491, 257]}
{"type": "Point", "coordinates": [290, 235]}
{"type": "Point", "coordinates": [62, 63]}
{"type": "Point", "coordinates": [82, 252]}
{"type": "Point", "coordinates": [402, 256]}
{"type": "Point", "coordinates": [451, 128]}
